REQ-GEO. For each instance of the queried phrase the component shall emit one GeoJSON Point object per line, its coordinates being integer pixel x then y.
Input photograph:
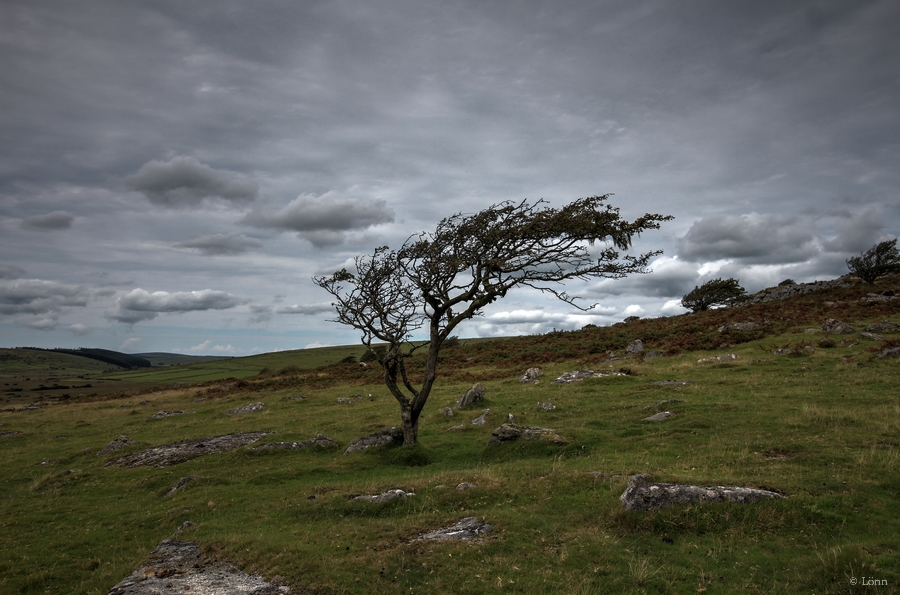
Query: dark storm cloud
{"type": "Point", "coordinates": [184, 181]}
{"type": "Point", "coordinates": [219, 244]}
{"type": "Point", "coordinates": [8, 271]}
{"type": "Point", "coordinates": [139, 304]}
{"type": "Point", "coordinates": [49, 222]}
{"type": "Point", "coordinates": [323, 220]}
{"type": "Point", "coordinates": [750, 238]}
{"type": "Point", "coordinates": [669, 277]}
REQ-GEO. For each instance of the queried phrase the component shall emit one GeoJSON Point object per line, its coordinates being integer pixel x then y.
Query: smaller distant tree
{"type": "Point", "coordinates": [718, 292]}
{"type": "Point", "coordinates": [880, 259]}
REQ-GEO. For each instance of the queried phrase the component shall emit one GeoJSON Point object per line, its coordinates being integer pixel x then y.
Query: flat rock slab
{"type": "Point", "coordinates": [179, 567]}
{"type": "Point", "coordinates": [185, 450]}
{"type": "Point", "coordinates": [251, 408]}
{"type": "Point", "coordinates": [320, 441]}
{"type": "Point", "coordinates": [380, 438]}
{"type": "Point", "coordinates": [643, 496]}
{"type": "Point", "coordinates": [163, 414]}
{"type": "Point", "coordinates": [510, 432]}
{"type": "Point", "coordinates": [670, 383]}
{"type": "Point", "coordinates": [720, 358]}
{"type": "Point", "coordinates": [579, 375]}
{"type": "Point", "coordinates": [467, 529]}
{"type": "Point", "coordinates": [659, 416]}
{"type": "Point", "coordinates": [385, 497]}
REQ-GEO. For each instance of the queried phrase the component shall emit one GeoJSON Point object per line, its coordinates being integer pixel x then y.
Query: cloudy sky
{"type": "Point", "coordinates": [174, 173]}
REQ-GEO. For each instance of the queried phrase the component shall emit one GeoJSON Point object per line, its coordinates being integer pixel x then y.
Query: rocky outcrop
{"type": "Point", "coordinates": [180, 567]}
{"type": "Point", "coordinates": [788, 291]}
{"type": "Point", "coordinates": [319, 441]}
{"type": "Point", "coordinates": [163, 414]}
{"type": "Point", "coordinates": [510, 432]}
{"type": "Point", "coordinates": [384, 497]}
{"type": "Point", "coordinates": [185, 450]}
{"type": "Point", "coordinates": [467, 529]}
{"type": "Point", "coordinates": [642, 495]}
{"type": "Point", "coordinates": [579, 375]}
{"type": "Point", "coordinates": [380, 438]}
{"type": "Point", "coordinates": [117, 444]}
{"type": "Point", "coordinates": [472, 396]}
{"type": "Point", "coordinates": [885, 326]}
{"type": "Point", "coordinates": [836, 327]}
{"type": "Point", "coordinates": [739, 326]}
{"type": "Point", "coordinates": [251, 408]}
{"type": "Point", "coordinates": [635, 347]}
{"type": "Point", "coordinates": [531, 376]}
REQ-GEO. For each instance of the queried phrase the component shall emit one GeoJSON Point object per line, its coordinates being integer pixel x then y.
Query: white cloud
{"type": "Point", "coordinates": [130, 344]}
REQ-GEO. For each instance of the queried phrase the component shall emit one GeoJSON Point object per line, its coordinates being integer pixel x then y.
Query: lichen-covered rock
{"type": "Point", "coordinates": [117, 444]}
{"type": "Point", "coordinates": [720, 358]}
{"type": "Point", "coordinates": [885, 326]}
{"type": "Point", "coordinates": [579, 375]}
{"type": "Point", "coordinates": [510, 432]}
{"type": "Point", "coordinates": [319, 441]}
{"type": "Point", "coordinates": [481, 419]}
{"type": "Point", "coordinates": [531, 376]}
{"type": "Point", "coordinates": [642, 495]}
{"type": "Point", "coordinates": [546, 406]}
{"type": "Point", "coordinates": [467, 529]}
{"type": "Point", "coordinates": [380, 438]}
{"type": "Point", "coordinates": [180, 567]}
{"type": "Point", "coordinates": [836, 327]}
{"type": "Point", "coordinates": [185, 450]}
{"type": "Point", "coordinates": [635, 347]}
{"type": "Point", "coordinates": [251, 408]}
{"type": "Point", "coordinates": [473, 395]}
{"type": "Point", "coordinates": [659, 416]}
{"type": "Point", "coordinates": [385, 497]}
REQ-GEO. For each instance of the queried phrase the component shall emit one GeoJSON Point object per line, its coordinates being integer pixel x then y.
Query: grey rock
{"type": "Point", "coordinates": [319, 441]}
{"type": "Point", "coordinates": [464, 486]}
{"type": "Point", "coordinates": [473, 395]}
{"type": "Point", "coordinates": [643, 496]}
{"type": "Point", "coordinates": [659, 416]}
{"type": "Point", "coordinates": [546, 406]}
{"type": "Point", "coordinates": [10, 433]}
{"type": "Point", "coordinates": [579, 375]}
{"type": "Point", "coordinates": [117, 444]}
{"type": "Point", "coordinates": [872, 336]}
{"type": "Point", "coordinates": [670, 383]}
{"type": "Point", "coordinates": [380, 438]}
{"type": "Point", "coordinates": [185, 450]}
{"type": "Point", "coordinates": [531, 376]}
{"type": "Point", "coordinates": [180, 567]}
{"type": "Point", "coordinates": [635, 347]}
{"type": "Point", "coordinates": [783, 351]}
{"type": "Point", "coordinates": [163, 414]}
{"type": "Point", "coordinates": [448, 412]}
{"type": "Point", "coordinates": [457, 427]}
{"type": "Point", "coordinates": [385, 497]}
{"type": "Point", "coordinates": [836, 327]}
{"type": "Point", "coordinates": [783, 292]}
{"type": "Point", "coordinates": [251, 408]}
{"type": "Point", "coordinates": [467, 529]}
{"type": "Point", "coordinates": [181, 483]}
{"type": "Point", "coordinates": [510, 418]}
{"type": "Point", "coordinates": [885, 326]}
{"type": "Point", "coordinates": [720, 358]}
{"type": "Point", "coordinates": [481, 419]}
{"type": "Point", "coordinates": [510, 432]}
{"type": "Point", "coordinates": [739, 326]}
{"type": "Point", "coordinates": [889, 352]}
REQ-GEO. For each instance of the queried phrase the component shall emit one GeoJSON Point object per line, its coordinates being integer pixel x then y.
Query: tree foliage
{"type": "Point", "coordinates": [880, 259]}
{"type": "Point", "coordinates": [718, 292]}
{"type": "Point", "coordinates": [436, 280]}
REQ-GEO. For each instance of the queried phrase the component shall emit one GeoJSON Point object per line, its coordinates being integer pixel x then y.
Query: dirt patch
{"type": "Point", "coordinates": [180, 567]}
{"type": "Point", "coordinates": [185, 450]}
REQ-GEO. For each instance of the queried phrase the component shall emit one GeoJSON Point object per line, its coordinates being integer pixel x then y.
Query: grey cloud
{"type": "Point", "coordinates": [323, 220]}
{"type": "Point", "coordinates": [139, 304]}
{"type": "Point", "coordinates": [260, 314]}
{"type": "Point", "coordinates": [857, 231]}
{"type": "Point", "coordinates": [669, 277]}
{"type": "Point", "coordinates": [49, 222]}
{"type": "Point", "coordinates": [79, 329]}
{"type": "Point", "coordinates": [8, 271]}
{"type": "Point", "coordinates": [751, 238]}
{"type": "Point", "coordinates": [44, 322]}
{"type": "Point", "coordinates": [221, 244]}
{"type": "Point", "coordinates": [184, 181]}
{"type": "Point", "coordinates": [320, 308]}
{"type": "Point", "coordinates": [38, 296]}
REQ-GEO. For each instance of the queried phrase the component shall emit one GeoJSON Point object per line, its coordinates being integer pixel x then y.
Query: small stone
{"type": "Point", "coordinates": [481, 419]}
{"type": "Point", "coordinates": [546, 406]}
{"type": "Point", "coordinates": [659, 416]}
{"type": "Point", "coordinates": [836, 327]}
{"type": "Point", "coordinates": [251, 408]}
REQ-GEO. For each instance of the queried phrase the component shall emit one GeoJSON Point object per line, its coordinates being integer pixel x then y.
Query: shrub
{"type": "Point", "coordinates": [880, 259]}
{"type": "Point", "coordinates": [718, 292]}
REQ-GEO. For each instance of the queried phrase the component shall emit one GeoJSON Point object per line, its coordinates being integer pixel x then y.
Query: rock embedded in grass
{"type": "Point", "coordinates": [531, 376]}
{"type": "Point", "coordinates": [662, 415]}
{"type": "Point", "coordinates": [720, 358]}
{"type": "Point", "coordinates": [836, 327]}
{"type": "Point", "coordinates": [163, 414]}
{"type": "Point", "coordinates": [643, 496]}
{"type": "Point", "coordinates": [384, 437]}
{"type": "Point", "coordinates": [319, 441]}
{"type": "Point", "coordinates": [185, 450]}
{"type": "Point", "coordinates": [467, 529]}
{"type": "Point", "coordinates": [385, 497]}
{"type": "Point", "coordinates": [473, 395]}
{"type": "Point", "coordinates": [579, 375]}
{"type": "Point", "coordinates": [117, 444]}
{"type": "Point", "coordinates": [251, 408]}
{"type": "Point", "coordinates": [884, 326]}
{"type": "Point", "coordinates": [510, 432]}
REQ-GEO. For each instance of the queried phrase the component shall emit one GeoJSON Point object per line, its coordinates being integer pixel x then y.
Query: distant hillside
{"type": "Point", "coordinates": [159, 358]}
{"type": "Point", "coordinates": [116, 358]}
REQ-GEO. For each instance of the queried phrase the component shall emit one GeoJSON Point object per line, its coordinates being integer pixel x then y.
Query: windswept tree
{"type": "Point", "coordinates": [718, 292]}
{"type": "Point", "coordinates": [880, 259]}
{"type": "Point", "coordinates": [439, 279]}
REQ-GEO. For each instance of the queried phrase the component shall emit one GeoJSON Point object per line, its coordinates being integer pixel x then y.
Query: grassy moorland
{"type": "Point", "coordinates": [820, 425]}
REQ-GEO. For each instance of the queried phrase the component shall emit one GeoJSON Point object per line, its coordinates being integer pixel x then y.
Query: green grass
{"type": "Point", "coordinates": [821, 428]}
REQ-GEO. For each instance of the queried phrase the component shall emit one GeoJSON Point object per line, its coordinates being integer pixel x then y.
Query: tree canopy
{"type": "Point", "coordinates": [436, 280]}
{"type": "Point", "coordinates": [880, 259]}
{"type": "Point", "coordinates": [718, 292]}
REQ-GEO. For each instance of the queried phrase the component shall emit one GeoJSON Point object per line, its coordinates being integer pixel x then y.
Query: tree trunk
{"type": "Point", "coordinates": [409, 424]}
